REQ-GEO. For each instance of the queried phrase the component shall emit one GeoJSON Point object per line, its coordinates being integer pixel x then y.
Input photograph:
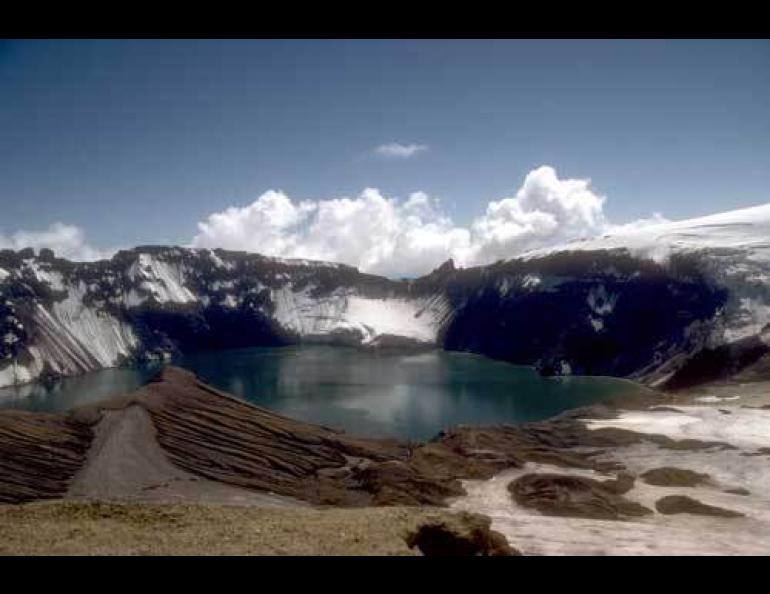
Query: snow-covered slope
{"type": "Point", "coordinates": [672, 304]}
{"type": "Point", "coordinates": [369, 318]}
{"type": "Point", "coordinates": [746, 230]}
{"type": "Point", "coordinates": [734, 252]}
{"type": "Point", "coordinates": [63, 318]}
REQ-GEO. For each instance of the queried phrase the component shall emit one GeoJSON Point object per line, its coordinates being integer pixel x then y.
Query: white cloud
{"type": "Point", "coordinates": [67, 241]}
{"type": "Point", "coordinates": [396, 150]}
{"type": "Point", "coordinates": [389, 236]}
{"type": "Point", "coordinates": [545, 211]}
{"type": "Point", "coordinates": [375, 233]}
{"type": "Point", "coordinates": [268, 225]}
{"type": "Point", "coordinates": [381, 234]}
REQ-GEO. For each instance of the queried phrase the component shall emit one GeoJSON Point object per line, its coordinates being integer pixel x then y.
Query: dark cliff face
{"type": "Point", "coordinates": [724, 361]}
{"type": "Point", "coordinates": [188, 329]}
{"type": "Point", "coordinates": [583, 313]}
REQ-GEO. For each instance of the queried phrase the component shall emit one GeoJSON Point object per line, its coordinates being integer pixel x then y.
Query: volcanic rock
{"type": "Point", "coordinates": [669, 476]}
{"type": "Point", "coordinates": [681, 504]}
{"type": "Point", "coordinates": [573, 496]}
{"type": "Point", "coordinates": [39, 454]}
{"type": "Point", "coordinates": [471, 536]}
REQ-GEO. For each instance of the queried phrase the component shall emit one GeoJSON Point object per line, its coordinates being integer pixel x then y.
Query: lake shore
{"type": "Point", "coordinates": [178, 442]}
{"type": "Point", "coordinates": [403, 394]}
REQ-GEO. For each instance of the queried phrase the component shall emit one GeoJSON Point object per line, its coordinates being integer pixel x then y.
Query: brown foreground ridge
{"type": "Point", "coordinates": [39, 453]}
{"type": "Point", "coordinates": [181, 467]}
{"type": "Point", "coordinates": [180, 439]}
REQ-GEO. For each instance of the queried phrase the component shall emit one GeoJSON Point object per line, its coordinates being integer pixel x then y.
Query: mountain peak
{"type": "Point", "coordinates": [446, 267]}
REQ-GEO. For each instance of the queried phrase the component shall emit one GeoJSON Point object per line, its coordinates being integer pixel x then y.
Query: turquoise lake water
{"type": "Point", "coordinates": [409, 395]}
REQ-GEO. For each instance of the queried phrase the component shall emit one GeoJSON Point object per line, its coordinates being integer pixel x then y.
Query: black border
{"type": "Point", "coordinates": [538, 19]}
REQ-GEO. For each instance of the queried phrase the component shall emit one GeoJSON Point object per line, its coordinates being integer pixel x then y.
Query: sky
{"type": "Point", "coordinates": [390, 155]}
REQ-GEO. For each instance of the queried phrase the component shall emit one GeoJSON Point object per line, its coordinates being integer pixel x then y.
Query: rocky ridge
{"type": "Point", "coordinates": [599, 307]}
{"type": "Point", "coordinates": [603, 312]}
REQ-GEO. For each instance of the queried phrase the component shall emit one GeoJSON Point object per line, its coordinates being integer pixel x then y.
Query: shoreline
{"type": "Point", "coordinates": [397, 349]}
{"type": "Point", "coordinates": [753, 391]}
{"type": "Point", "coordinates": [177, 441]}
{"type": "Point", "coordinates": [16, 391]}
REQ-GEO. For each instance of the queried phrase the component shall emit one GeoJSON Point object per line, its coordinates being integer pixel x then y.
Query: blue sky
{"type": "Point", "coordinates": [139, 141]}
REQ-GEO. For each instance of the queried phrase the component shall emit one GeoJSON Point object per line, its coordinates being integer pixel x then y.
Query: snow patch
{"type": "Point", "coordinates": [655, 534]}
{"type": "Point", "coordinates": [16, 373]}
{"type": "Point", "coordinates": [716, 399]}
{"type": "Point", "coordinates": [743, 427]}
{"type": "Point", "coordinates": [747, 228]}
{"type": "Point", "coordinates": [305, 314]}
{"type": "Point", "coordinates": [504, 286]}
{"type": "Point", "coordinates": [400, 317]}
{"type": "Point", "coordinates": [163, 280]}
{"type": "Point", "coordinates": [52, 278]}
{"type": "Point", "coordinates": [751, 318]}
{"type": "Point", "coordinates": [104, 337]}
{"type": "Point", "coordinates": [304, 262]}
{"type": "Point", "coordinates": [600, 302]}
{"type": "Point", "coordinates": [230, 301]}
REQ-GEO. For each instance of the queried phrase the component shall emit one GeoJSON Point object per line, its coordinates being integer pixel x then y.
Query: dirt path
{"type": "Point", "coordinates": [126, 463]}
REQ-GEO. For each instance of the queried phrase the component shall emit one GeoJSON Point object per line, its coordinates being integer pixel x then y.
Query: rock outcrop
{"type": "Point", "coordinates": [575, 496]}
{"type": "Point", "coordinates": [39, 454]}
{"type": "Point", "coordinates": [669, 476]}
{"type": "Point", "coordinates": [681, 504]}
{"type": "Point", "coordinates": [471, 536]}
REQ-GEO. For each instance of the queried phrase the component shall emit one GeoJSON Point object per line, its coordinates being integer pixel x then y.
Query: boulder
{"type": "Point", "coordinates": [669, 476]}
{"type": "Point", "coordinates": [681, 504]}
{"type": "Point", "coordinates": [466, 535]}
{"type": "Point", "coordinates": [574, 496]}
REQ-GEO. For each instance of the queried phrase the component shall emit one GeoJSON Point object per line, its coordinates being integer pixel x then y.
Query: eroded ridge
{"type": "Point", "coordinates": [39, 454]}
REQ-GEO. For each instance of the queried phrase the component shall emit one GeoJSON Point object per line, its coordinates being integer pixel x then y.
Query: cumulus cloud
{"type": "Point", "coordinates": [546, 210]}
{"type": "Point", "coordinates": [372, 232]}
{"type": "Point", "coordinates": [67, 241]}
{"type": "Point", "coordinates": [386, 235]}
{"type": "Point", "coordinates": [269, 224]}
{"type": "Point", "coordinates": [396, 150]}
{"type": "Point", "coordinates": [382, 234]}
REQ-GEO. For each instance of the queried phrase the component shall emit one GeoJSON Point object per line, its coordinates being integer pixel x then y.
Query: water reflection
{"type": "Point", "coordinates": [387, 393]}
{"type": "Point", "coordinates": [365, 392]}
{"type": "Point", "coordinates": [66, 393]}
